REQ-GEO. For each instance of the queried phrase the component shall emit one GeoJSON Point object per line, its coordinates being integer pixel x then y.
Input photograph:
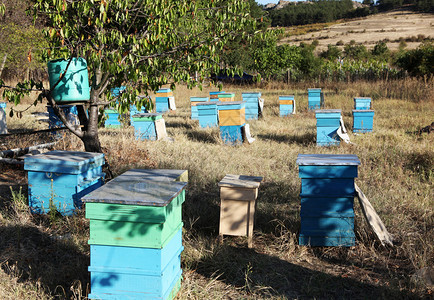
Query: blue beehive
{"type": "Point", "coordinates": [315, 98]}
{"type": "Point", "coordinates": [231, 121]}
{"type": "Point", "coordinates": [112, 120]}
{"type": "Point", "coordinates": [252, 104]}
{"type": "Point", "coordinates": [136, 199]}
{"type": "Point", "coordinates": [363, 120]}
{"type": "Point", "coordinates": [215, 94]}
{"type": "Point", "coordinates": [61, 178]}
{"type": "Point", "coordinates": [162, 100]}
{"type": "Point", "coordinates": [144, 126]}
{"type": "Point", "coordinates": [70, 112]}
{"type": "Point", "coordinates": [362, 103]}
{"type": "Point", "coordinates": [3, 124]}
{"type": "Point", "coordinates": [327, 124]}
{"type": "Point", "coordinates": [327, 196]}
{"type": "Point", "coordinates": [193, 103]}
{"type": "Point", "coordinates": [207, 114]}
{"type": "Point", "coordinates": [286, 105]}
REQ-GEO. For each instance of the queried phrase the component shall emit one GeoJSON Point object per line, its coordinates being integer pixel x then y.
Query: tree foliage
{"type": "Point", "coordinates": [141, 44]}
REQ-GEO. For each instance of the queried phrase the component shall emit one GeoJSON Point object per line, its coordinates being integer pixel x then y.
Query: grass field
{"type": "Point", "coordinates": [45, 257]}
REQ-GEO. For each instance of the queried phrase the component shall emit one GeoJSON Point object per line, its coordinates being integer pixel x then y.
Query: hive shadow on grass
{"type": "Point", "coordinates": [55, 262]}
{"type": "Point", "coordinates": [266, 275]}
{"type": "Point", "coordinates": [303, 139]}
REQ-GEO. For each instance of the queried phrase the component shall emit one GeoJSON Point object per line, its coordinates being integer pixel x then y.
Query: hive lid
{"type": "Point", "coordinates": [73, 162]}
{"type": "Point", "coordinates": [198, 99]}
{"type": "Point", "coordinates": [153, 174]}
{"type": "Point", "coordinates": [362, 98]}
{"type": "Point", "coordinates": [147, 115]}
{"type": "Point", "coordinates": [314, 89]}
{"type": "Point", "coordinates": [242, 181]}
{"type": "Point", "coordinates": [134, 190]}
{"type": "Point", "coordinates": [287, 96]}
{"type": "Point", "coordinates": [327, 111]}
{"type": "Point", "coordinates": [216, 92]}
{"type": "Point", "coordinates": [164, 90]}
{"type": "Point", "coordinates": [230, 103]}
{"type": "Point", "coordinates": [363, 110]}
{"type": "Point", "coordinates": [328, 160]}
{"type": "Point", "coordinates": [207, 103]}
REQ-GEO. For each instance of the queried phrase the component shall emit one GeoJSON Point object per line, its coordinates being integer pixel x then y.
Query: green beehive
{"type": "Point", "coordinates": [134, 211]}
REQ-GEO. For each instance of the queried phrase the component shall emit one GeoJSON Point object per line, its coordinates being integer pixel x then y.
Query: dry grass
{"type": "Point", "coordinates": [50, 256]}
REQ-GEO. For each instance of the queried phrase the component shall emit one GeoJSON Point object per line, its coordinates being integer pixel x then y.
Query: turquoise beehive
{"type": "Point", "coordinates": [315, 98]}
{"type": "Point", "coordinates": [207, 114]}
{"type": "Point", "coordinates": [58, 179]}
{"type": "Point", "coordinates": [252, 104]}
{"type": "Point", "coordinates": [194, 101]}
{"type": "Point", "coordinates": [327, 197]}
{"type": "Point", "coordinates": [363, 120]}
{"type": "Point", "coordinates": [74, 80]}
{"type": "Point", "coordinates": [3, 124]}
{"type": "Point", "coordinates": [327, 124]}
{"type": "Point", "coordinates": [362, 103]}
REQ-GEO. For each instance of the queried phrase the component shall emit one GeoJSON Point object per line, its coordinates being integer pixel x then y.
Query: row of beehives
{"type": "Point", "coordinates": [136, 219]}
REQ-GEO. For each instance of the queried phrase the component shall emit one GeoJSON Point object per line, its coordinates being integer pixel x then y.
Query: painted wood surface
{"type": "Point", "coordinates": [59, 161]}
{"type": "Point", "coordinates": [153, 175]}
{"type": "Point", "coordinates": [373, 218]}
{"type": "Point", "coordinates": [328, 187]}
{"type": "Point", "coordinates": [148, 259]}
{"type": "Point", "coordinates": [232, 135]}
{"type": "Point", "coordinates": [327, 207]}
{"type": "Point", "coordinates": [327, 171]}
{"type": "Point", "coordinates": [362, 103]}
{"type": "Point", "coordinates": [3, 123]}
{"type": "Point", "coordinates": [327, 160]}
{"type": "Point", "coordinates": [207, 114]}
{"type": "Point", "coordinates": [327, 241]}
{"type": "Point", "coordinates": [122, 283]}
{"type": "Point", "coordinates": [232, 117]}
{"type": "Point", "coordinates": [363, 120]}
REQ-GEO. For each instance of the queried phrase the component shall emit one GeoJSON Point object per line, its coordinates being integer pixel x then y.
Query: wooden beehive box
{"type": "Point", "coordinates": [363, 120]}
{"type": "Point", "coordinates": [286, 105]}
{"type": "Point", "coordinates": [193, 103]}
{"type": "Point", "coordinates": [207, 114]}
{"type": "Point", "coordinates": [252, 104]}
{"type": "Point", "coordinates": [60, 178]}
{"type": "Point", "coordinates": [224, 97]}
{"type": "Point", "coordinates": [327, 196]}
{"type": "Point", "coordinates": [144, 125]}
{"type": "Point", "coordinates": [362, 103]}
{"type": "Point", "coordinates": [327, 124]}
{"type": "Point", "coordinates": [214, 95]}
{"type": "Point", "coordinates": [238, 195]}
{"type": "Point", "coordinates": [315, 98]}
{"type": "Point", "coordinates": [136, 235]}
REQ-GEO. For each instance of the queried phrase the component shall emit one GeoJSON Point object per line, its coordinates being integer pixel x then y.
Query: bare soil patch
{"type": "Point", "coordinates": [389, 27]}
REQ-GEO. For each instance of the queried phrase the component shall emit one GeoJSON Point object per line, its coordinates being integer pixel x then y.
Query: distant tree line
{"type": "Point", "coordinates": [317, 11]}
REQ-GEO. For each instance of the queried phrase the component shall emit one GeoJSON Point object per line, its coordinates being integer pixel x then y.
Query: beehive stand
{"type": "Point", "coordinates": [136, 235]}
{"type": "Point", "coordinates": [60, 178]}
{"type": "Point", "coordinates": [327, 197]}
{"type": "Point", "coordinates": [238, 195]}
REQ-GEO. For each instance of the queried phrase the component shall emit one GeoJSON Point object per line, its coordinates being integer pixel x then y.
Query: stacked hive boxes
{"type": "Point", "coordinates": [194, 101]}
{"type": "Point", "coordinates": [162, 100]}
{"type": "Point", "coordinates": [315, 98]}
{"type": "Point", "coordinates": [58, 179]}
{"type": "Point", "coordinates": [231, 121]}
{"type": "Point", "coordinates": [144, 125]}
{"type": "Point", "coordinates": [3, 124]}
{"type": "Point", "coordinates": [252, 104]}
{"type": "Point", "coordinates": [136, 235]}
{"type": "Point", "coordinates": [214, 95]}
{"type": "Point", "coordinates": [225, 97]}
{"type": "Point", "coordinates": [327, 196]}
{"type": "Point", "coordinates": [238, 195]}
{"type": "Point", "coordinates": [363, 116]}
{"type": "Point", "coordinates": [70, 112]}
{"type": "Point", "coordinates": [327, 125]}
{"type": "Point", "coordinates": [286, 105]}
{"type": "Point", "coordinates": [207, 114]}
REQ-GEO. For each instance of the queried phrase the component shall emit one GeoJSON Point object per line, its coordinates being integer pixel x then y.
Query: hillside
{"type": "Point", "coordinates": [391, 26]}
